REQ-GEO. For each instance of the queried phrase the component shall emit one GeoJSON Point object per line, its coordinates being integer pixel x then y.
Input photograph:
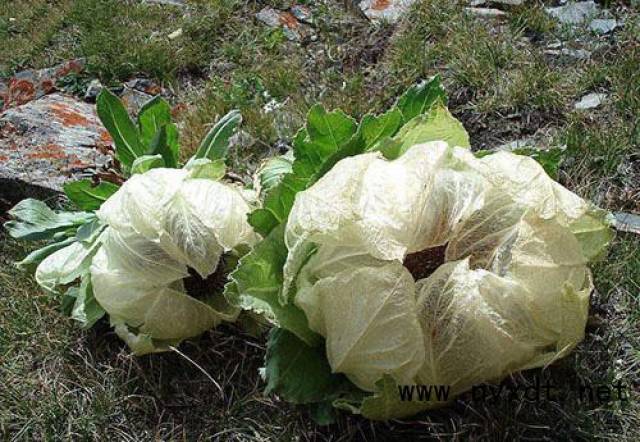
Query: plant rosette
{"type": "Point", "coordinates": [410, 261]}
{"type": "Point", "coordinates": [154, 252]}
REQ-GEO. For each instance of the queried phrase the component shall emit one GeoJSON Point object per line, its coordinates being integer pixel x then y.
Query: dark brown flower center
{"type": "Point", "coordinates": [423, 263]}
{"type": "Point", "coordinates": [202, 288]}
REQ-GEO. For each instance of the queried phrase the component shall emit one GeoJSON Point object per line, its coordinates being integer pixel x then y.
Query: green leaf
{"type": "Point", "coordinates": [300, 373]}
{"type": "Point", "coordinates": [125, 135]}
{"type": "Point", "coordinates": [256, 284]}
{"type": "Point", "coordinates": [593, 233]}
{"type": "Point", "coordinates": [549, 159]}
{"type": "Point", "coordinates": [420, 98]}
{"type": "Point", "coordinates": [216, 144]}
{"type": "Point", "coordinates": [204, 168]}
{"type": "Point", "coordinates": [273, 170]}
{"type": "Point", "coordinates": [322, 139]}
{"type": "Point", "coordinates": [165, 143]}
{"type": "Point", "coordinates": [34, 220]}
{"type": "Point", "coordinates": [387, 404]}
{"type": "Point", "coordinates": [86, 309]}
{"type": "Point", "coordinates": [436, 125]}
{"type": "Point", "coordinates": [89, 231]}
{"type": "Point", "coordinates": [146, 162]}
{"type": "Point", "coordinates": [86, 195]}
{"type": "Point", "coordinates": [153, 115]}
{"type": "Point", "coordinates": [375, 128]}
{"type": "Point", "coordinates": [31, 261]}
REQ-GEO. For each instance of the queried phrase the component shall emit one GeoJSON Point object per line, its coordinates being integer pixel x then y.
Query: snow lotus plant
{"type": "Point", "coordinates": [152, 253]}
{"type": "Point", "coordinates": [405, 259]}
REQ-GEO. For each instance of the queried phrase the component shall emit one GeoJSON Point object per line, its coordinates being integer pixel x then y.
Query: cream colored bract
{"type": "Point", "coordinates": [159, 224]}
{"type": "Point", "coordinates": [510, 293]}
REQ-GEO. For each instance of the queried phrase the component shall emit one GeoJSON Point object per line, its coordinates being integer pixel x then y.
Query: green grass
{"type": "Point", "coordinates": [60, 383]}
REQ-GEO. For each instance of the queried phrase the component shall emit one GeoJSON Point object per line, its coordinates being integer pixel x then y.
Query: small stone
{"type": "Point", "coordinates": [93, 90]}
{"type": "Point", "coordinates": [144, 85]}
{"type": "Point", "coordinates": [590, 101]}
{"type": "Point", "coordinates": [385, 10]}
{"type": "Point", "coordinates": [574, 13]}
{"type": "Point", "coordinates": [516, 144]}
{"type": "Point", "coordinates": [486, 12]}
{"type": "Point", "coordinates": [302, 13]}
{"type": "Point", "coordinates": [603, 25]}
{"type": "Point", "coordinates": [175, 34]}
{"type": "Point", "coordinates": [167, 2]}
{"type": "Point", "coordinates": [292, 28]}
{"type": "Point", "coordinates": [626, 222]}
{"type": "Point", "coordinates": [580, 54]}
{"type": "Point", "coordinates": [134, 99]}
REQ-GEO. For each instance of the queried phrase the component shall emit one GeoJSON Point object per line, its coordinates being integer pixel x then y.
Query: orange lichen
{"type": "Point", "coordinates": [105, 137]}
{"type": "Point", "coordinates": [47, 152]}
{"type": "Point", "coordinates": [20, 92]}
{"type": "Point", "coordinates": [47, 86]}
{"type": "Point", "coordinates": [67, 68]}
{"type": "Point", "coordinates": [3, 158]}
{"type": "Point", "coordinates": [69, 117]}
{"type": "Point", "coordinates": [381, 5]}
{"type": "Point", "coordinates": [288, 20]}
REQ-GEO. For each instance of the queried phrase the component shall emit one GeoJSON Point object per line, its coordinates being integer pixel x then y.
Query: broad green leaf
{"type": "Point", "coordinates": [165, 143]}
{"type": "Point", "coordinates": [299, 373]}
{"type": "Point", "coordinates": [549, 159]}
{"type": "Point", "coordinates": [154, 114]}
{"type": "Point", "coordinates": [124, 133]}
{"type": "Point", "coordinates": [436, 125]}
{"type": "Point", "coordinates": [86, 195]}
{"type": "Point", "coordinates": [34, 220]}
{"type": "Point", "coordinates": [205, 168]}
{"type": "Point", "coordinates": [86, 309]}
{"type": "Point", "coordinates": [216, 143]}
{"type": "Point", "coordinates": [377, 127]}
{"type": "Point", "coordinates": [420, 98]}
{"type": "Point", "coordinates": [65, 265]}
{"type": "Point", "coordinates": [89, 231]}
{"type": "Point", "coordinates": [593, 233]}
{"type": "Point", "coordinates": [256, 284]}
{"type": "Point", "coordinates": [323, 137]}
{"type": "Point", "coordinates": [273, 170]}
{"type": "Point", "coordinates": [37, 256]}
{"type": "Point", "coordinates": [146, 162]}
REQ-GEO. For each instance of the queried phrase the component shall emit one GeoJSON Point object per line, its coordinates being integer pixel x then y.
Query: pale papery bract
{"type": "Point", "coordinates": [510, 292]}
{"type": "Point", "coordinates": [160, 224]}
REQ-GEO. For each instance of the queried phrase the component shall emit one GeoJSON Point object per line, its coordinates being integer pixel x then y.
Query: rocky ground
{"type": "Point", "coordinates": [551, 76]}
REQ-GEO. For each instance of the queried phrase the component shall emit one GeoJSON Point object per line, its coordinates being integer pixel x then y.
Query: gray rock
{"type": "Point", "coordinates": [145, 85]}
{"type": "Point", "coordinates": [626, 222]}
{"type": "Point", "coordinates": [385, 10]}
{"type": "Point", "coordinates": [486, 12]}
{"type": "Point", "coordinates": [590, 101]}
{"type": "Point", "coordinates": [574, 13]}
{"type": "Point", "coordinates": [603, 25]}
{"type": "Point", "coordinates": [134, 99]}
{"type": "Point", "coordinates": [47, 142]}
{"type": "Point", "coordinates": [93, 90]}
{"type": "Point", "coordinates": [516, 144]}
{"type": "Point", "coordinates": [32, 84]}
{"type": "Point", "coordinates": [302, 13]}
{"type": "Point", "coordinates": [167, 2]}
{"type": "Point", "coordinates": [293, 29]}
{"type": "Point", "coordinates": [580, 54]}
